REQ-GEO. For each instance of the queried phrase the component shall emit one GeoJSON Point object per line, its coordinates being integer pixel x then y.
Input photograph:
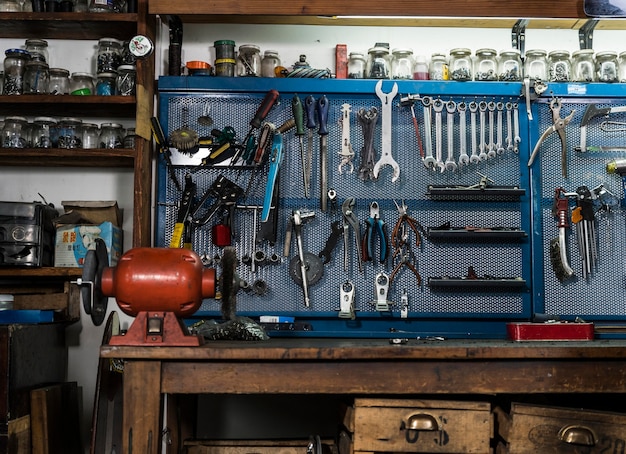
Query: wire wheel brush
{"type": "Point", "coordinates": [184, 138]}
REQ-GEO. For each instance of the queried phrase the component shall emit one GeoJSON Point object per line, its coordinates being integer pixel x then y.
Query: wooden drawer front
{"type": "Point", "coordinates": [549, 430]}
{"type": "Point", "coordinates": [425, 426]}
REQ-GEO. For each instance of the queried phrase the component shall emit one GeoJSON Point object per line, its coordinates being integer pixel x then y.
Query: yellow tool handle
{"type": "Point", "coordinates": [177, 235]}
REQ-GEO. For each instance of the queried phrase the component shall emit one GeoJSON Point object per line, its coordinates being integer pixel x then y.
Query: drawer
{"type": "Point", "coordinates": [533, 428]}
{"type": "Point", "coordinates": [255, 447]}
{"type": "Point", "coordinates": [433, 426]}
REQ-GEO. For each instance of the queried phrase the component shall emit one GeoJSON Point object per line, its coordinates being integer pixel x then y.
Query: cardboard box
{"type": "Point", "coordinates": [80, 226]}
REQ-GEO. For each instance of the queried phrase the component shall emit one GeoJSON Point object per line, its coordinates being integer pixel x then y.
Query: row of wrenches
{"type": "Point", "coordinates": [487, 128]}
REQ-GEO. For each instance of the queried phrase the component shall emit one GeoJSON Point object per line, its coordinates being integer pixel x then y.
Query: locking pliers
{"type": "Point", "coordinates": [558, 126]}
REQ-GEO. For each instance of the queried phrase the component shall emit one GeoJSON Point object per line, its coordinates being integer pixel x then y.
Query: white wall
{"type": "Point", "coordinates": [318, 43]}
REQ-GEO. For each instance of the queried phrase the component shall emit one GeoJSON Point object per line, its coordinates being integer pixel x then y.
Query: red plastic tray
{"type": "Point", "coordinates": [552, 331]}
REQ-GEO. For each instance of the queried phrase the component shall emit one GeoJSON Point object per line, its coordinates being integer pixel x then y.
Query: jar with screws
{"type": "Point", "coordinates": [249, 61]}
{"type": "Point", "coordinates": [91, 135]}
{"type": "Point", "coordinates": [510, 66]}
{"type": "Point", "coordinates": [560, 66]}
{"type": "Point", "coordinates": [622, 67]}
{"type": "Point", "coordinates": [70, 133]}
{"type": "Point", "coordinates": [41, 132]}
{"type": "Point", "coordinates": [109, 55]}
{"type": "Point", "coordinates": [438, 68]}
{"type": "Point", "coordinates": [38, 49]}
{"type": "Point", "coordinates": [59, 81]}
{"type": "Point", "coordinates": [356, 65]}
{"type": "Point", "coordinates": [607, 66]}
{"type": "Point", "coordinates": [15, 132]}
{"type": "Point", "coordinates": [486, 65]}
{"type": "Point", "coordinates": [378, 64]}
{"type": "Point", "coordinates": [536, 64]}
{"type": "Point", "coordinates": [270, 62]}
{"type": "Point", "coordinates": [129, 138]}
{"type": "Point", "coordinates": [82, 84]}
{"type": "Point", "coordinates": [111, 135]}
{"type": "Point", "coordinates": [106, 84]}
{"type": "Point", "coordinates": [126, 80]}
{"type": "Point", "coordinates": [402, 64]}
{"type": "Point", "coordinates": [36, 78]}
{"type": "Point", "coordinates": [460, 64]}
{"type": "Point", "coordinates": [583, 66]}
{"type": "Point", "coordinates": [14, 67]}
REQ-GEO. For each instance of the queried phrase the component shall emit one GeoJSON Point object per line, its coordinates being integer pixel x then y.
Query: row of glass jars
{"type": "Point", "coordinates": [93, 6]}
{"type": "Point", "coordinates": [67, 132]}
{"type": "Point", "coordinates": [247, 62]}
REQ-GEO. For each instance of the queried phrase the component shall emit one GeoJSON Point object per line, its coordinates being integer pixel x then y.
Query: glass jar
{"type": "Point", "coordinates": [560, 66]}
{"type": "Point", "coordinates": [40, 133]}
{"type": "Point", "coordinates": [82, 84]}
{"type": "Point", "coordinates": [270, 62]}
{"type": "Point", "coordinates": [402, 64]}
{"type": "Point", "coordinates": [536, 64]}
{"type": "Point", "coordinates": [59, 81]}
{"type": "Point", "coordinates": [101, 6]}
{"type": "Point", "coordinates": [111, 135]}
{"type": "Point", "coordinates": [461, 64]}
{"type": "Point", "coordinates": [607, 66]}
{"type": "Point", "coordinates": [356, 65]}
{"type": "Point", "coordinates": [622, 67]}
{"type": "Point", "coordinates": [249, 61]}
{"type": "Point", "coordinates": [420, 68]}
{"type": "Point", "coordinates": [1, 82]}
{"type": "Point", "coordinates": [36, 78]}
{"type": "Point", "coordinates": [510, 66]}
{"type": "Point", "coordinates": [583, 66]}
{"type": "Point", "coordinates": [14, 67]}
{"type": "Point", "coordinates": [10, 6]}
{"type": "Point", "coordinates": [15, 132]}
{"type": "Point", "coordinates": [106, 84]}
{"type": "Point", "coordinates": [69, 133]}
{"type": "Point", "coordinates": [91, 135]}
{"type": "Point", "coordinates": [109, 55]}
{"type": "Point", "coordinates": [486, 65]}
{"type": "Point", "coordinates": [129, 138]}
{"type": "Point", "coordinates": [125, 81]}
{"type": "Point", "coordinates": [225, 62]}
{"type": "Point", "coordinates": [38, 49]}
{"type": "Point", "coordinates": [438, 68]}
{"type": "Point", "coordinates": [378, 65]}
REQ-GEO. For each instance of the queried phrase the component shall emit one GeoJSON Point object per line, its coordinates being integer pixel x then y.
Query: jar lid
{"type": "Point", "coordinates": [71, 120]}
{"type": "Point", "coordinates": [559, 53]}
{"type": "Point", "coordinates": [582, 52]}
{"type": "Point", "coordinates": [127, 68]}
{"type": "Point", "coordinates": [537, 52]}
{"type": "Point", "coordinates": [114, 41]}
{"type": "Point", "coordinates": [379, 49]}
{"type": "Point", "coordinates": [91, 125]}
{"type": "Point", "coordinates": [107, 74]}
{"type": "Point", "coordinates": [17, 52]}
{"type": "Point", "coordinates": [438, 56]}
{"type": "Point", "coordinates": [45, 120]}
{"type": "Point", "coordinates": [36, 42]}
{"type": "Point", "coordinates": [16, 119]}
{"type": "Point", "coordinates": [460, 51]}
{"type": "Point", "coordinates": [486, 51]}
{"type": "Point", "coordinates": [224, 42]}
{"type": "Point", "coordinates": [420, 58]}
{"type": "Point", "coordinates": [356, 55]}
{"type": "Point", "coordinates": [402, 50]}
{"type": "Point", "coordinates": [59, 72]}
{"type": "Point", "coordinates": [510, 52]}
{"type": "Point", "coordinates": [89, 75]}
{"type": "Point", "coordinates": [270, 53]}
{"type": "Point", "coordinates": [39, 63]}
{"type": "Point", "coordinates": [249, 47]}
{"type": "Point", "coordinates": [623, 54]}
{"type": "Point", "coordinates": [111, 125]}
{"type": "Point", "coordinates": [606, 53]}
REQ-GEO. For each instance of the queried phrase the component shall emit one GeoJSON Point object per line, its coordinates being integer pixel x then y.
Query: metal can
{"type": "Point", "coordinates": [438, 68]}
{"type": "Point", "coordinates": [461, 64]}
{"type": "Point", "coordinates": [560, 66]}
{"type": "Point", "coordinates": [249, 61]}
{"type": "Point", "coordinates": [41, 132]}
{"type": "Point", "coordinates": [378, 65]}
{"type": "Point", "coordinates": [14, 67]}
{"type": "Point", "coordinates": [36, 78]}
{"type": "Point", "coordinates": [486, 65]}
{"type": "Point", "coordinates": [111, 135]}
{"type": "Point", "coordinates": [536, 64]}
{"type": "Point", "coordinates": [224, 58]}
{"type": "Point", "coordinates": [402, 64]}
{"type": "Point", "coordinates": [607, 66]}
{"type": "Point", "coordinates": [510, 66]}
{"type": "Point", "coordinates": [583, 66]}
{"type": "Point", "coordinates": [356, 65]}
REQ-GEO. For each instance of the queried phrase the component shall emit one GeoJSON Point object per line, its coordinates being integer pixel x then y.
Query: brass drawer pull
{"type": "Point", "coordinates": [420, 421]}
{"type": "Point", "coordinates": [577, 435]}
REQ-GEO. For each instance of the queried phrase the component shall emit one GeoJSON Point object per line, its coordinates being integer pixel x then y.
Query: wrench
{"type": "Point", "coordinates": [438, 108]}
{"type": "Point", "coordinates": [473, 108]}
{"type": "Point", "coordinates": [491, 106]}
{"type": "Point", "coordinates": [386, 157]}
{"type": "Point", "coordinates": [516, 138]}
{"type": "Point", "coordinates": [500, 109]}
{"type": "Point", "coordinates": [429, 161]}
{"type": "Point", "coordinates": [482, 106]}
{"type": "Point", "coordinates": [450, 164]}
{"type": "Point", "coordinates": [509, 126]}
{"type": "Point", "coordinates": [346, 153]}
{"type": "Point", "coordinates": [463, 157]}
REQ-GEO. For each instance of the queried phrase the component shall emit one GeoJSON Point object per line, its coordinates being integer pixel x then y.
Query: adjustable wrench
{"type": "Point", "coordinates": [463, 157]}
{"type": "Point", "coordinates": [500, 109]}
{"type": "Point", "coordinates": [386, 157]}
{"type": "Point", "coordinates": [451, 109]}
{"type": "Point", "coordinates": [491, 106]}
{"type": "Point", "coordinates": [473, 108]}
{"type": "Point", "coordinates": [438, 108]}
{"type": "Point", "coordinates": [509, 126]}
{"type": "Point", "coordinates": [429, 160]}
{"type": "Point", "coordinates": [482, 106]}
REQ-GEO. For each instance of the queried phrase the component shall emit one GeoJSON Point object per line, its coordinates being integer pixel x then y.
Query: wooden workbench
{"type": "Point", "coordinates": [357, 367]}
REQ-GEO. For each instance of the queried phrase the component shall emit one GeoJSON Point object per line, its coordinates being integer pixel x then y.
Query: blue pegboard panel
{"type": "Point", "coordinates": [446, 310]}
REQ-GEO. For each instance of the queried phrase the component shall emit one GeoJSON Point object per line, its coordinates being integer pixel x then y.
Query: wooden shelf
{"type": "Point", "coordinates": [62, 157]}
{"type": "Point", "coordinates": [15, 273]}
{"type": "Point", "coordinates": [48, 105]}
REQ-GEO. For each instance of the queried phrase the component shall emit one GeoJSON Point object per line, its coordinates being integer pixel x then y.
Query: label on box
{"type": "Point", "coordinates": [73, 242]}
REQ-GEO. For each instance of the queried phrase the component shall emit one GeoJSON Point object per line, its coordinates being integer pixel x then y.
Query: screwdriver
{"type": "Point", "coordinates": [264, 108]}
{"type": "Point", "coordinates": [298, 116]}
{"type": "Point", "coordinates": [309, 105]}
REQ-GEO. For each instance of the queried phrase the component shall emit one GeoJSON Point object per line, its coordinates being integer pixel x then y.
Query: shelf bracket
{"type": "Point", "coordinates": [585, 34]}
{"type": "Point", "coordinates": [518, 35]}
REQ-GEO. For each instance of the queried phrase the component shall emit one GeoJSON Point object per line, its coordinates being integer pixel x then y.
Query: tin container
{"type": "Point", "coordinates": [225, 62]}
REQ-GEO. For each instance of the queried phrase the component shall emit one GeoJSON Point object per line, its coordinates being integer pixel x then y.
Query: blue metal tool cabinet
{"type": "Point", "coordinates": [446, 304]}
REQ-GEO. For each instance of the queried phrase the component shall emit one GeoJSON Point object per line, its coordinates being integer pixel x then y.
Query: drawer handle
{"type": "Point", "coordinates": [421, 421]}
{"type": "Point", "coordinates": [577, 435]}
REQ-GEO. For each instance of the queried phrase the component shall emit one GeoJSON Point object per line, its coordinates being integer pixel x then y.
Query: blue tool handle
{"type": "Point", "coordinates": [309, 106]}
{"type": "Point", "coordinates": [275, 161]}
{"type": "Point", "coordinates": [384, 246]}
{"type": "Point", "coordinates": [322, 115]}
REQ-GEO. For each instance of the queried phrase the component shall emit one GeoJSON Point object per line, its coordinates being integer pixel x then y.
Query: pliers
{"type": "Point", "coordinates": [374, 225]}
{"type": "Point", "coordinates": [558, 126]}
{"type": "Point", "coordinates": [350, 220]}
{"type": "Point", "coordinates": [400, 232]}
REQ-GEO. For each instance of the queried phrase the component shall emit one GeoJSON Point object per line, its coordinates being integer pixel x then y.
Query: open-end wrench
{"type": "Point", "coordinates": [491, 153]}
{"type": "Point", "coordinates": [509, 126]}
{"type": "Point", "coordinates": [482, 106]}
{"type": "Point", "coordinates": [346, 153]}
{"type": "Point", "coordinates": [438, 108]}
{"type": "Point", "coordinates": [386, 157]}
{"type": "Point", "coordinates": [298, 219]}
{"type": "Point", "coordinates": [473, 108]}
{"type": "Point", "coordinates": [451, 110]}
{"type": "Point", "coordinates": [516, 137]}
{"type": "Point", "coordinates": [499, 145]}
{"type": "Point", "coordinates": [463, 157]}
{"type": "Point", "coordinates": [429, 161]}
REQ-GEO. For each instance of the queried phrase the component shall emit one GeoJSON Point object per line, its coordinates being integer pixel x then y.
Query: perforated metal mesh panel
{"type": "Point", "coordinates": [603, 293]}
{"type": "Point", "coordinates": [432, 258]}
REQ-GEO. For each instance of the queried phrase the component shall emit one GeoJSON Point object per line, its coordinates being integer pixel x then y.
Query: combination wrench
{"type": "Point", "coordinates": [429, 161]}
{"type": "Point", "coordinates": [473, 108]}
{"type": "Point", "coordinates": [509, 126]}
{"type": "Point", "coordinates": [463, 157]}
{"type": "Point", "coordinates": [491, 106]}
{"type": "Point", "coordinates": [500, 110]}
{"type": "Point", "coordinates": [386, 157]}
{"type": "Point", "coordinates": [516, 137]}
{"type": "Point", "coordinates": [450, 164]}
{"type": "Point", "coordinates": [482, 106]}
{"type": "Point", "coordinates": [438, 108]}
